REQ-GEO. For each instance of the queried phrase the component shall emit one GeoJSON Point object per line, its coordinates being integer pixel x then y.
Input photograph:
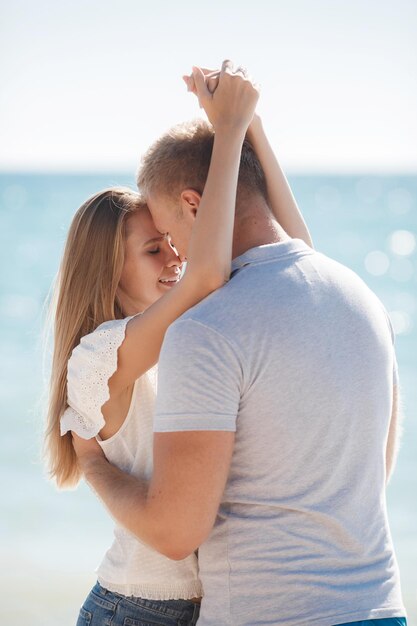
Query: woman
{"type": "Point", "coordinates": [115, 266]}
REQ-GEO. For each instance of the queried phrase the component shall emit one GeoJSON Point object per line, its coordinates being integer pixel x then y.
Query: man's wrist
{"type": "Point", "coordinates": [90, 464]}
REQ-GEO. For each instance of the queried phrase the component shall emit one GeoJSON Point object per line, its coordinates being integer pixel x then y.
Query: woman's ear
{"type": "Point", "coordinates": [190, 201]}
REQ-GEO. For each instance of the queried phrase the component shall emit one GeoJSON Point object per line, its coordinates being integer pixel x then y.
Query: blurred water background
{"type": "Point", "coordinates": [52, 541]}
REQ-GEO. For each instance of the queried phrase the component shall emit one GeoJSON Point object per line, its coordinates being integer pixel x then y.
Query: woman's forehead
{"type": "Point", "coordinates": [141, 226]}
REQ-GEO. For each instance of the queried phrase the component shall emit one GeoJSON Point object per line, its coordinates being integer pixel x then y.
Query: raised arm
{"type": "Point", "coordinates": [281, 199]}
{"type": "Point", "coordinates": [231, 109]}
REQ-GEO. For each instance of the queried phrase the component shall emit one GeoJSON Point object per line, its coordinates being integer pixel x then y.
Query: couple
{"type": "Point", "coordinates": [256, 479]}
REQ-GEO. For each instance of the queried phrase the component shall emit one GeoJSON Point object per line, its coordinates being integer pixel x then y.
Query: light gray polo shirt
{"type": "Point", "coordinates": [295, 354]}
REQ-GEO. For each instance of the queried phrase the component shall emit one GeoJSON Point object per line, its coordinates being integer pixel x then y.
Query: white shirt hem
{"type": "Point", "coordinates": [180, 591]}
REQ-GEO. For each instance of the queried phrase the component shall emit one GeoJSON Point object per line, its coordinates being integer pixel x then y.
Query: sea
{"type": "Point", "coordinates": [51, 541]}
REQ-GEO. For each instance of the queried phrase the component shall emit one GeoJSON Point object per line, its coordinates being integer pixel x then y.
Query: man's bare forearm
{"type": "Point", "coordinates": [175, 512]}
{"type": "Point", "coordinates": [124, 496]}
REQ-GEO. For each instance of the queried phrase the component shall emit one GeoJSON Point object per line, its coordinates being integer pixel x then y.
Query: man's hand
{"type": "Point", "coordinates": [87, 451]}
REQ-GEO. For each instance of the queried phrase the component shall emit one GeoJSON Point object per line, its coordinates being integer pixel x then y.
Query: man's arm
{"type": "Point", "coordinates": [394, 434]}
{"type": "Point", "coordinates": [176, 511]}
{"type": "Point", "coordinates": [200, 382]}
{"type": "Point", "coordinates": [395, 426]}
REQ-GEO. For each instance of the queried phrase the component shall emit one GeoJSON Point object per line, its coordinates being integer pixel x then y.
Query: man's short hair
{"type": "Point", "coordinates": [180, 159]}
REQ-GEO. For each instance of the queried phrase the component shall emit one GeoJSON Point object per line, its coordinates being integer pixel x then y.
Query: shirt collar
{"type": "Point", "coordinates": [268, 252]}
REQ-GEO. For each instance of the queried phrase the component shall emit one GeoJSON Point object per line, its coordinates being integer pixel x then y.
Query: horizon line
{"type": "Point", "coordinates": [289, 171]}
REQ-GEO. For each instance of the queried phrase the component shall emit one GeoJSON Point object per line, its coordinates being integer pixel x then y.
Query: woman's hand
{"type": "Point", "coordinates": [211, 77]}
{"type": "Point", "coordinates": [212, 80]}
{"type": "Point", "coordinates": [228, 97]}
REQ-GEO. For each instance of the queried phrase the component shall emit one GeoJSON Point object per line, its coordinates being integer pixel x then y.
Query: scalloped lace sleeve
{"type": "Point", "coordinates": [90, 366]}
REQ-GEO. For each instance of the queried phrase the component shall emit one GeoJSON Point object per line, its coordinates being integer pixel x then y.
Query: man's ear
{"type": "Point", "coordinates": [190, 201]}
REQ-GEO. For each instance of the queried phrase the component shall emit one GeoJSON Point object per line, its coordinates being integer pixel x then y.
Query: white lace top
{"type": "Point", "coordinates": [129, 567]}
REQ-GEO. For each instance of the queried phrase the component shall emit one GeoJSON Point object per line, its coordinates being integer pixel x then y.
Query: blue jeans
{"type": "Point", "coordinates": [390, 621]}
{"type": "Point", "coordinates": [103, 607]}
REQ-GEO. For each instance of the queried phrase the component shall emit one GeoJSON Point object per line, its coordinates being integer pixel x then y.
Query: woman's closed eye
{"type": "Point", "coordinates": [153, 246]}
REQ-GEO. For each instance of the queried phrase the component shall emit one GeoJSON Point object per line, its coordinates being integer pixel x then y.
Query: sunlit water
{"type": "Point", "coordinates": [50, 541]}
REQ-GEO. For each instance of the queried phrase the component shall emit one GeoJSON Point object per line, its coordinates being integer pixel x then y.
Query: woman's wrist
{"type": "Point", "coordinates": [228, 146]}
{"type": "Point", "coordinates": [255, 128]}
{"type": "Point", "coordinates": [234, 132]}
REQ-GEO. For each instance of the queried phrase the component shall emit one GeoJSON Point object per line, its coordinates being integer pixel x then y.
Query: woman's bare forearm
{"type": "Point", "coordinates": [209, 252]}
{"type": "Point", "coordinates": [281, 199]}
{"type": "Point", "coordinates": [210, 248]}
{"type": "Point", "coordinates": [123, 495]}
{"type": "Point", "coordinates": [230, 109]}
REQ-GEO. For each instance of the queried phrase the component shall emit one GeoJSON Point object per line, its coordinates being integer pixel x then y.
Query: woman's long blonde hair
{"type": "Point", "coordinates": [85, 296]}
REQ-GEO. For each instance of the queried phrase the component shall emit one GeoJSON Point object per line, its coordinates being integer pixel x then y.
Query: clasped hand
{"type": "Point", "coordinates": [227, 96]}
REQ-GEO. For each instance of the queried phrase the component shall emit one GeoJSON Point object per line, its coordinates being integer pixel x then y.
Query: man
{"type": "Point", "coordinates": [275, 421]}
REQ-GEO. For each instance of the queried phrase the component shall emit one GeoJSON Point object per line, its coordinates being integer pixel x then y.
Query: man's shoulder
{"type": "Point", "coordinates": [210, 309]}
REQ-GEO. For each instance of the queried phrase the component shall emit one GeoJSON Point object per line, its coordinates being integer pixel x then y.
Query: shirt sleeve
{"type": "Point", "coordinates": [90, 366]}
{"type": "Point", "coordinates": [199, 380]}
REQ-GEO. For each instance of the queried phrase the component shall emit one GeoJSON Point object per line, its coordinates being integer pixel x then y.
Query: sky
{"type": "Point", "coordinates": [87, 85]}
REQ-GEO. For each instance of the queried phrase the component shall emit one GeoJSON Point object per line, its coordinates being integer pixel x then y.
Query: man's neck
{"type": "Point", "coordinates": [257, 228]}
